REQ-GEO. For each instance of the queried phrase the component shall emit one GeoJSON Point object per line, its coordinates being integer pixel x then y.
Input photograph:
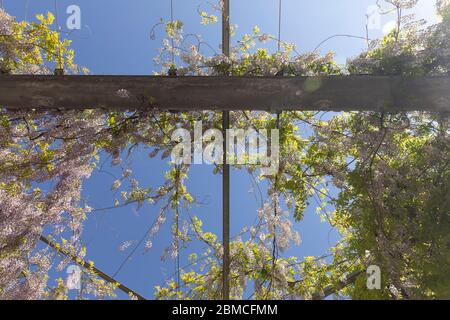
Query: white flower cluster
{"type": "Point", "coordinates": [277, 224]}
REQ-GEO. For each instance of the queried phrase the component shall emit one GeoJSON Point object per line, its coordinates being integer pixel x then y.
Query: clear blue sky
{"type": "Point", "coordinates": [114, 39]}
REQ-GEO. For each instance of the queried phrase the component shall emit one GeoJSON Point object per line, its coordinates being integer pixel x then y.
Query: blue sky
{"type": "Point", "coordinates": [115, 39]}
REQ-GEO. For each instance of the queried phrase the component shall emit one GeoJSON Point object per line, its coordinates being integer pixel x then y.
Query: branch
{"type": "Point", "coordinates": [328, 291]}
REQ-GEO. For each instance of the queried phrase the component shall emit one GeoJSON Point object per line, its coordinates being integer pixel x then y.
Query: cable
{"type": "Point", "coordinates": [171, 20]}
{"type": "Point", "coordinates": [226, 167]}
{"type": "Point", "coordinates": [60, 69]}
{"type": "Point", "coordinates": [128, 257]}
{"type": "Point", "coordinates": [279, 49]}
{"type": "Point", "coordinates": [278, 114]}
{"type": "Point", "coordinates": [177, 226]}
{"type": "Point", "coordinates": [279, 24]}
{"type": "Point", "coordinates": [172, 70]}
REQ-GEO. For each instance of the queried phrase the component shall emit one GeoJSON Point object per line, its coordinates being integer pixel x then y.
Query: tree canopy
{"type": "Point", "coordinates": [381, 179]}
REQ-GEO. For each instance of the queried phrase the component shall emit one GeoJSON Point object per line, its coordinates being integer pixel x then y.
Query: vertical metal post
{"type": "Point", "coordinates": [226, 167]}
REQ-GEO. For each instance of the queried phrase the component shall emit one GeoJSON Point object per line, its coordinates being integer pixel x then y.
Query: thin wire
{"type": "Point", "coordinates": [226, 167]}
{"type": "Point", "coordinates": [177, 231]}
{"type": "Point", "coordinates": [275, 247]}
{"type": "Point", "coordinates": [279, 47]}
{"type": "Point", "coordinates": [172, 40]}
{"type": "Point", "coordinates": [177, 209]}
{"type": "Point", "coordinates": [279, 24]}
{"type": "Point", "coordinates": [129, 256]}
{"type": "Point", "coordinates": [61, 66]}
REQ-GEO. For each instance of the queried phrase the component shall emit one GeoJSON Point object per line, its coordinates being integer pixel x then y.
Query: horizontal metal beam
{"type": "Point", "coordinates": [334, 93]}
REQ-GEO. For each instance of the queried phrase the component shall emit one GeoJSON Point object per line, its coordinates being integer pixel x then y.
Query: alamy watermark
{"type": "Point", "coordinates": [73, 280]}
{"type": "Point", "coordinates": [73, 22]}
{"type": "Point", "coordinates": [373, 277]}
{"type": "Point", "coordinates": [243, 147]}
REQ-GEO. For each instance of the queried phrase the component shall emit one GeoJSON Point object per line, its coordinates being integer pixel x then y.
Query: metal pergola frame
{"type": "Point", "coordinates": [224, 93]}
